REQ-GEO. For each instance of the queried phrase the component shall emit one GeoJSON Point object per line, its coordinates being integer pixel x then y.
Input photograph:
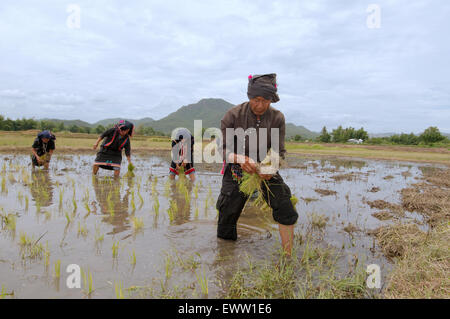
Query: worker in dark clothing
{"type": "Point", "coordinates": [42, 149]}
{"type": "Point", "coordinates": [115, 140]}
{"type": "Point", "coordinates": [254, 115]}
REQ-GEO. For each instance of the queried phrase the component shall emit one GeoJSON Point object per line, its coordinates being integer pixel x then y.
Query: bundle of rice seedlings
{"type": "Point", "coordinates": [130, 172]}
{"type": "Point", "coordinates": [251, 183]}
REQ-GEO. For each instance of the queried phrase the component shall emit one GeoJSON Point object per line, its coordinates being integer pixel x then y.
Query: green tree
{"type": "Point", "coordinates": [431, 135]}
{"type": "Point", "coordinates": [297, 137]}
{"type": "Point", "coordinates": [324, 137]}
{"type": "Point", "coordinates": [100, 129]}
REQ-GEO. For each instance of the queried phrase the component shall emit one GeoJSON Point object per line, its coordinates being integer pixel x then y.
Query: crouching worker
{"type": "Point", "coordinates": [241, 154]}
{"type": "Point", "coordinates": [182, 155]}
{"type": "Point", "coordinates": [42, 149]}
{"type": "Point", "coordinates": [115, 140]}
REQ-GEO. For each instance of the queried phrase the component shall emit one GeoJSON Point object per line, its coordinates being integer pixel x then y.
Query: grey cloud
{"type": "Point", "coordinates": [147, 59]}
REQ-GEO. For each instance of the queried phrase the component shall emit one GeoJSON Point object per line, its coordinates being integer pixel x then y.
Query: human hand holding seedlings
{"type": "Point", "coordinates": [247, 164]}
{"type": "Point", "coordinates": [265, 176]}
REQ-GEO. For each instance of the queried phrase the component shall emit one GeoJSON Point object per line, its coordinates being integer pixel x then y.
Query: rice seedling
{"type": "Point", "coordinates": [46, 256]}
{"type": "Point", "coordinates": [8, 220]}
{"type": "Point", "coordinates": [115, 249]}
{"type": "Point", "coordinates": [196, 191]}
{"type": "Point", "coordinates": [138, 223]}
{"type": "Point", "coordinates": [27, 202]}
{"type": "Point", "coordinates": [110, 203]}
{"type": "Point", "coordinates": [167, 188]}
{"type": "Point", "coordinates": [141, 200]}
{"type": "Point", "coordinates": [88, 282]}
{"type": "Point", "coordinates": [4, 293]}
{"type": "Point", "coordinates": [133, 258]}
{"type": "Point", "coordinates": [86, 206]}
{"type": "Point", "coordinates": [25, 177]}
{"type": "Point", "coordinates": [118, 288]}
{"type": "Point", "coordinates": [168, 266]}
{"type": "Point", "coordinates": [156, 206]}
{"type": "Point", "coordinates": [173, 210]}
{"type": "Point", "coordinates": [11, 178]}
{"type": "Point", "coordinates": [58, 269]}
{"type": "Point", "coordinates": [74, 203]}
{"type": "Point", "coordinates": [202, 280]}
{"type": "Point", "coordinates": [68, 218]}
{"type": "Point", "coordinates": [196, 212]}
{"type": "Point", "coordinates": [30, 248]}
{"type": "Point", "coordinates": [20, 196]}
{"type": "Point", "coordinates": [98, 237]}
{"type": "Point", "coordinates": [133, 205]}
{"type": "Point", "coordinates": [154, 183]}
{"type": "Point", "coordinates": [82, 230]}
{"type": "Point", "coordinates": [4, 185]}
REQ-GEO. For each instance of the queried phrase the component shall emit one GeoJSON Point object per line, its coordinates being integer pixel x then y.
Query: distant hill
{"type": "Point", "coordinates": [68, 123]}
{"type": "Point", "coordinates": [147, 121]}
{"type": "Point", "coordinates": [292, 130]}
{"type": "Point", "coordinates": [210, 111]}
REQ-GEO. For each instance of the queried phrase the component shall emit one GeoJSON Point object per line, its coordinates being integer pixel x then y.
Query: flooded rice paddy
{"type": "Point", "coordinates": [145, 236]}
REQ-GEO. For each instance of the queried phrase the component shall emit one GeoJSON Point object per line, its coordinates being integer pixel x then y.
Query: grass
{"type": "Point", "coordinates": [318, 221]}
{"type": "Point", "coordinates": [421, 258]}
{"type": "Point", "coordinates": [311, 272]}
{"type": "Point", "coordinates": [422, 261]}
{"type": "Point", "coordinates": [401, 153]}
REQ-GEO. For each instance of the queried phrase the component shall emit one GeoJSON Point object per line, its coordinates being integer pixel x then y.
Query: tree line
{"type": "Point", "coordinates": [431, 135]}
{"type": "Point", "coordinates": [31, 124]}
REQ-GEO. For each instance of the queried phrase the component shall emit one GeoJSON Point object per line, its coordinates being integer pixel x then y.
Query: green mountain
{"type": "Point", "coordinates": [292, 130]}
{"type": "Point", "coordinates": [210, 111]}
{"type": "Point", "coordinates": [69, 123]}
{"type": "Point", "coordinates": [146, 121]}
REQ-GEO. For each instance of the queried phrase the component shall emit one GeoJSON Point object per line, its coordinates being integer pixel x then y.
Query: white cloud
{"type": "Point", "coordinates": [147, 59]}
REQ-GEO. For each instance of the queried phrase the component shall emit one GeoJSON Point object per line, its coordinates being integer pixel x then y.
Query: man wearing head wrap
{"type": "Point", "coordinates": [42, 149]}
{"type": "Point", "coordinates": [254, 117]}
{"type": "Point", "coordinates": [115, 140]}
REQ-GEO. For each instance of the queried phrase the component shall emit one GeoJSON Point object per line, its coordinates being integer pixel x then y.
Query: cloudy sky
{"type": "Point", "coordinates": [336, 62]}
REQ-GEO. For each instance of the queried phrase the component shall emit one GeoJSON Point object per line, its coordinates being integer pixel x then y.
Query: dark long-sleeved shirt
{"type": "Point", "coordinates": [241, 116]}
{"type": "Point", "coordinates": [41, 147]}
{"type": "Point", "coordinates": [118, 141]}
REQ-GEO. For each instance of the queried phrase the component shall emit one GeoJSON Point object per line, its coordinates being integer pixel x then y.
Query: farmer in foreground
{"type": "Point", "coordinates": [42, 149]}
{"type": "Point", "coordinates": [241, 153]}
{"type": "Point", "coordinates": [115, 140]}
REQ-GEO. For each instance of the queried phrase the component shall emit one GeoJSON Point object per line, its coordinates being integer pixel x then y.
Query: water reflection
{"type": "Point", "coordinates": [112, 204]}
{"type": "Point", "coordinates": [41, 188]}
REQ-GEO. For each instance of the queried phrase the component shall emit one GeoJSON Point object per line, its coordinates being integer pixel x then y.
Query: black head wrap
{"type": "Point", "coordinates": [46, 134]}
{"type": "Point", "coordinates": [263, 85]}
{"type": "Point", "coordinates": [125, 125]}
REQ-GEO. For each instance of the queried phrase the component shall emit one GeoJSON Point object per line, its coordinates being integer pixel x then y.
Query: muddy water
{"type": "Point", "coordinates": [79, 218]}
